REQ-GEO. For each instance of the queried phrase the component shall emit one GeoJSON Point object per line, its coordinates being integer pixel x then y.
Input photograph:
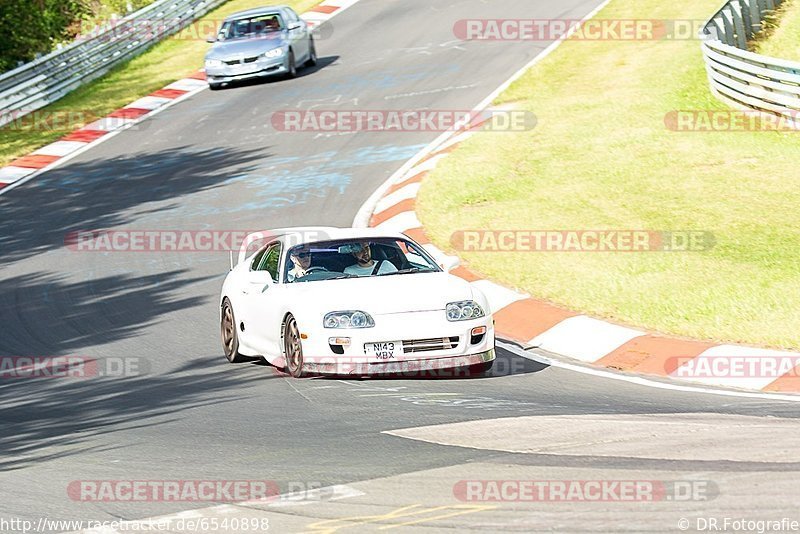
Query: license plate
{"type": "Point", "coordinates": [387, 350]}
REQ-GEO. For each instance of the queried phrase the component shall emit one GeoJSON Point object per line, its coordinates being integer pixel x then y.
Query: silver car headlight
{"type": "Point", "coordinates": [275, 52]}
{"type": "Point", "coordinates": [214, 63]}
{"type": "Point", "coordinates": [464, 310]}
{"type": "Point", "coordinates": [348, 319]}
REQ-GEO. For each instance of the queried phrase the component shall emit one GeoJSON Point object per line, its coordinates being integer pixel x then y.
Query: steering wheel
{"type": "Point", "coordinates": [316, 269]}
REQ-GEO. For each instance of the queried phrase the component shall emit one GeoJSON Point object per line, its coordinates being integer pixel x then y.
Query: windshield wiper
{"type": "Point", "coordinates": [407, 271]}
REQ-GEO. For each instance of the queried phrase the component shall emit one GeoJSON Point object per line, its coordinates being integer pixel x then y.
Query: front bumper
{"type": "Point", "coordinates": [245, 71]}
{"type": "Point", "coordinates": [432, 367]}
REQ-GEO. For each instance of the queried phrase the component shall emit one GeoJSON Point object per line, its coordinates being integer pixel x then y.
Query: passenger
{"type": "Point", "coordinates": [366, 266]}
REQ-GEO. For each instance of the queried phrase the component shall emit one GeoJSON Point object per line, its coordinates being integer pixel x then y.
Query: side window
{"type": "Point", "coordinates": [257, 259]}
{"type": "Point", "coordinates": [291, 15]}
{"type": "Point", "coordinates": [270, 260]}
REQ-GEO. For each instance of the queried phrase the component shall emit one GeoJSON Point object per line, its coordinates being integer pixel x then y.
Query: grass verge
{"type": "Point", "coordinates": [783, 38]}
{"type": "Point", "coordinates": [164, 63]}
{"type": "Point", "coordinates": [602, 158]}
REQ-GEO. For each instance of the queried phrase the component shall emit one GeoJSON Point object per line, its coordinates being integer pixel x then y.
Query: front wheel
{"type": "Point", "coordinates": [230, 337]}
{"type": "Point", "coordinates": [312, 53]}
{"type": "Point", "coordinates": [291, 66]}
{"type": "Point", "coordinates": [292, 347]}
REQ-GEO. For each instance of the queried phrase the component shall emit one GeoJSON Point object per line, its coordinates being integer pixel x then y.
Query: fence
{"type": "Point", "coordinates": [45, 80]}
{"type": "Point", "coordinates": [742, 78]}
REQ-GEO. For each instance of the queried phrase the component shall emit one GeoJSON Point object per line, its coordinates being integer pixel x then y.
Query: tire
{"type": "Point", "coordinates": [312, 53]}
{"type": "Point", "coordinates": [230, 335]}
{"type": "Point", "coordinates": [292, 66]}
{"type": "Point", "coordinates": [215, 86]}
{"type": "Point", "coordinates": [292, 347]}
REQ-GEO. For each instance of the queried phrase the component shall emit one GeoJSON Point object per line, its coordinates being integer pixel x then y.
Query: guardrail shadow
{"type": "Point", "coordinates": [36, 217]}
{"type": "Point", "coordinates": [68, 414]}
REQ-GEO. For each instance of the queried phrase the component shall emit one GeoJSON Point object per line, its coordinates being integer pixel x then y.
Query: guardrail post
{"type": "Point", "coordinates": [748, 23]}
{"type": "Point", "coordinates": [738, 25]}
{"type": "Point", "coordinates": [755, 15]}
{"type": "Point", "coordinates": [727, 22]}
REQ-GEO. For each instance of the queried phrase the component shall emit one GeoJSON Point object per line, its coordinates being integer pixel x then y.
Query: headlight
{"type": "Point", "coordinates": [464, 310]}
{"type": "Point", "coordinates": [275, 52]}
{"type": "Point", "coordinates": [348, 319]}
{"type": "Point", "coordinates": [214, 63]}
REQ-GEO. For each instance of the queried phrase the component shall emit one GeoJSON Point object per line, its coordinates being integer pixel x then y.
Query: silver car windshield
{"type": "Point", "coordinates": [353, 258]}
{"type": "Point", "coordinates": [255, 26]}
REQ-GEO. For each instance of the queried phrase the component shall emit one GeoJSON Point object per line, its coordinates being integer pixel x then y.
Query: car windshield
{"type": "Point", "coordinates": [354, 258]}
{"type": "Point", "coordinates": [251, 26]}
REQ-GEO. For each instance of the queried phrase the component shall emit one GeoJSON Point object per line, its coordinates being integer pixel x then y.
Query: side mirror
{"type": "Point", "coordinates": [448, 263]}
{"type": "Point", "coordinates": [260, 278]}
{"type": "Point", "coordinates": [211, 40]}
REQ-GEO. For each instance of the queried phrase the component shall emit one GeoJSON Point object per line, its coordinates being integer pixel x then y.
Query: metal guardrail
{"type": "Point", "coordinates": [742, 78]}
{"type": "Point", "coordinates": [45, 80]}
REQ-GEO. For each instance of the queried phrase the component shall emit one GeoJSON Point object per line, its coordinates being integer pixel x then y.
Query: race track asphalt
{"type": "Point", "coordinates": [215, 162]}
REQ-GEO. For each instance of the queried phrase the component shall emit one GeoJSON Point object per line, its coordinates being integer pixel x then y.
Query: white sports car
{"type": "Point", "coordinates": [351, 301]}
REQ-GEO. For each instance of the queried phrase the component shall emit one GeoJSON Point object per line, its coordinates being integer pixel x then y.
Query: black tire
{"type": "Point", "coordinates": [292, 347]}
{"type": "Point", "coordinates": [312, 53]}
{"type": "Point", "coordinates": [292, 68]}
{"type": "Point", "coordinates": [215, 86]}
{"type": "Point", "coordinates": [230, 335]}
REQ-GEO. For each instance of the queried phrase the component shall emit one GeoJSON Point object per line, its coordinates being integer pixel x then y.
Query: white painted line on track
{"type": "Point", "coordinates": [724, 353]}
{"type": "Point", "coordinates": [640, 381]}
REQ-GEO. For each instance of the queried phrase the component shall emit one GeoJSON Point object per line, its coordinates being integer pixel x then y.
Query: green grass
{"type": "Point", "coordinates": [166, 62]}
{"type": "Point", "coordinates": [783, 35]}
{"type": "Point", "coordinates": [601, 157]}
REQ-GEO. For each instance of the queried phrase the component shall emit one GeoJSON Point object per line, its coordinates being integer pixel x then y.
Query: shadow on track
{"type": "Point", "coordinates": [45, 314]}
{"type": "Point", "coordinates": [66, 412]}
{"type": "Point", "coordinates": [36, 217]}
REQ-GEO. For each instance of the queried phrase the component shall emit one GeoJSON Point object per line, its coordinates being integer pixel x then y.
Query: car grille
{"type": "Point", "coordinates": [427, 345]}
{"type": "Point", "coordinates": [242, 60]}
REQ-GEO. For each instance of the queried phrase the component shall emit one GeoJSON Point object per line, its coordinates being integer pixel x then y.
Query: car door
{"type": "Point", "coordinates": [299, 33]}
{"type": "Point", "coordinates": [261, 300]}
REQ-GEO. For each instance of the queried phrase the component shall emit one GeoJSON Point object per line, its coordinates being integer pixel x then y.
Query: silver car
{"type": "Point", "coordinates": [259, 42]}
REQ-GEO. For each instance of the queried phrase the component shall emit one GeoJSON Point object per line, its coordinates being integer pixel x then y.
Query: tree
{"type": "Point", "coordinates": [30, 27]}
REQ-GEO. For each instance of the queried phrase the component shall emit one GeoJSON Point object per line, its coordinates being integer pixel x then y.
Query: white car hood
{"type": "Point", "coordinates": [381, 295]}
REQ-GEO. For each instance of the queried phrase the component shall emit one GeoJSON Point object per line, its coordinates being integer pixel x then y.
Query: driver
{"type": "Point", "coordinates": [301, 260]}
{"type": "Point", "coordinates": [366, 266]}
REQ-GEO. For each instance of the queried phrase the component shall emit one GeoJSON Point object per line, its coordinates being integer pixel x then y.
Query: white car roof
{"type": "Point", "coordinates": [310, 234]}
